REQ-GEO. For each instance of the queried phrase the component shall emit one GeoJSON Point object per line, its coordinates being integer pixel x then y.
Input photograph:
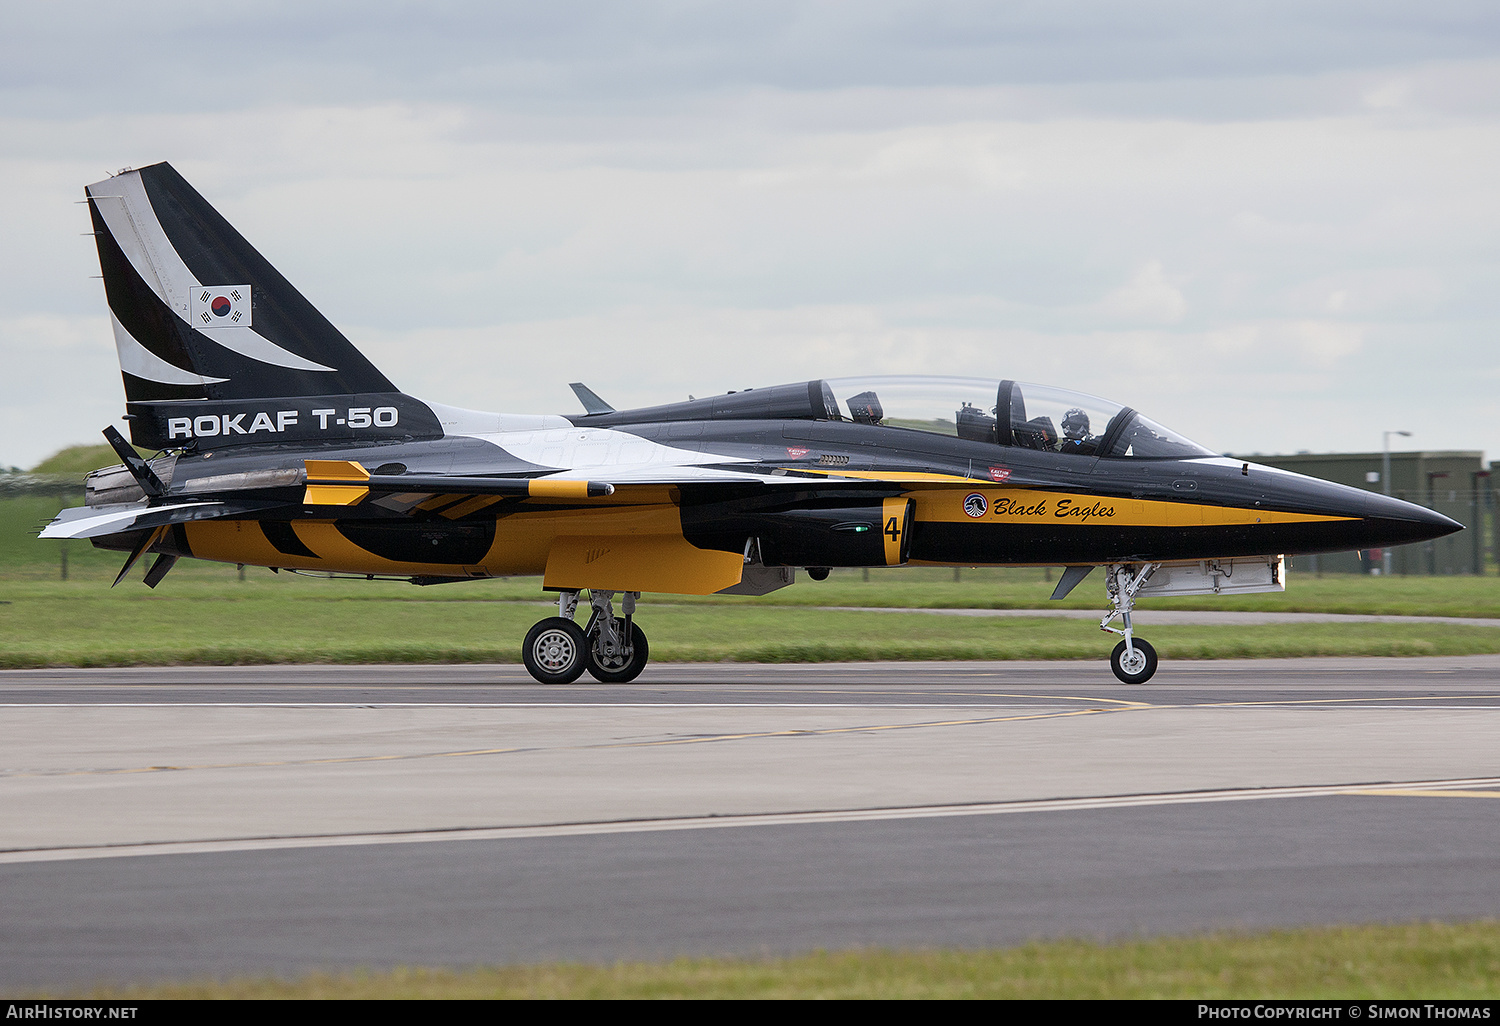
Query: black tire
{"type": "Point", "coordinates": [554, 651]}
{"type": "Point", "coordinates": [1143, 672]}
{"type": "Point", "coordinates": [625, 672]}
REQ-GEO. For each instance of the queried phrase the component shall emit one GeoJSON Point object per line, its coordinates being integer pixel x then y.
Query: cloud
{"type": "Point", "coordinates": [1148, 298]}
{"type": "Point", "coordinates": [666, 198]}
{"type": "Point", "coordinates": [1325, 344]}
{"type": "Point", "coordinates": [61, 386]}
{"type": "Point", "coordinates": [654, 51]}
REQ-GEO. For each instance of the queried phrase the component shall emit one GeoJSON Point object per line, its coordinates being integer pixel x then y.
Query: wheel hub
{"type": "Point", "coordinates": [554, 651]}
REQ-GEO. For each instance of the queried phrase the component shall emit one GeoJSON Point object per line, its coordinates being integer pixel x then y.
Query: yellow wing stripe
{"type": "Point", "coordinates": [1029, 506]}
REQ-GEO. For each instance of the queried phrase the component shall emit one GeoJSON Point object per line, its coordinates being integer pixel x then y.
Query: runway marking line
{"type": "Point", "coordinates": [1447, 788]}
{"type": "Point", "coordinates": [1408, 792]}
{"type": "Point", "coordinates": [1330, 701]}
{"type": "Point", "coordinates": [983, 694]}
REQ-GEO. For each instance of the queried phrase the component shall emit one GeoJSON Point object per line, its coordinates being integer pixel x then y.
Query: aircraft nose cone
{"type": "Point", "coordinates": [1439, 525]}
{"type": "Point", "coordinates": [1405, 522]}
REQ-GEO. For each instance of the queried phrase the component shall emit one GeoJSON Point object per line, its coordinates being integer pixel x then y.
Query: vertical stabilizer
{"type": "Point", "coordinates": [204, 325]}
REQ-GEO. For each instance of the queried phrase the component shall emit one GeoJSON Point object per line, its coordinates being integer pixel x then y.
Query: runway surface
{"type": "Point", "coordinates": [161, 823]}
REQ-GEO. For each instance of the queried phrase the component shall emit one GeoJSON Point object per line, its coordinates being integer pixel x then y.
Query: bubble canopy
{"type": "Point", "coordinates": [1011, 413]}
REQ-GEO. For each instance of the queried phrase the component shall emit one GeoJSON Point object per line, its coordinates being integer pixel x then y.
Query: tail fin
{"type": "Point", "coordinates": [205, 326]}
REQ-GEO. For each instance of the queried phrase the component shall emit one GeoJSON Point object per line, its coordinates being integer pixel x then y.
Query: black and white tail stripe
{"type": "Point", "coordinates": [198, 313]}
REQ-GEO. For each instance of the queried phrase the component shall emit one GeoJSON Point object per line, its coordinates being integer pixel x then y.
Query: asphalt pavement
{"type": "Point", "coordinates": [169, 823]}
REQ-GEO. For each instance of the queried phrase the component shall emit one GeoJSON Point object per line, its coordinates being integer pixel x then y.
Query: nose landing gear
{"type": "Point", "coordinates": [1133, 660]}
{"type": "Point", "coordinates": [613, 649]}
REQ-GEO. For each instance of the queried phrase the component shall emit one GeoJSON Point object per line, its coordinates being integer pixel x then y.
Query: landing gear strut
{"type": "Point", "coordinates": [1133, 660]}
{"type": "Point", "coordinates": [617, 649]}
{"type": "Point", "coordinates": [613, 649]}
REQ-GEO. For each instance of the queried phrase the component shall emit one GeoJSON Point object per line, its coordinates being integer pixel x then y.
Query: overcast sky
{"type": "Point", "coordinates": [1270, 226]}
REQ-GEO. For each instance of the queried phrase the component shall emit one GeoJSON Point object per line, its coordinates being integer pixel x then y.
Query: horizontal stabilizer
{"type": "Point", "coordinates": [98, 521]}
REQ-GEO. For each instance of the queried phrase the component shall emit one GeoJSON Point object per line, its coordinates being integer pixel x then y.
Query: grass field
{"type": "Point", "coordinates": [80, 459]}
{"type": "Point", "coordinates": [1426, 961]}
{"type": "Point", "coordinates": [268, 619]}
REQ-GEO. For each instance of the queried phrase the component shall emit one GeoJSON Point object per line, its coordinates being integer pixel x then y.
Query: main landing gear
{"type": "Point", "coordinates": [1133, 660]}
{"type": "Point", "coordinates": [613, 649]}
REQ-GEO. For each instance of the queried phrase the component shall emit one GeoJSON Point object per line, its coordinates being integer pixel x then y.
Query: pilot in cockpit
{"type": "Point", "coordinates": [1076, 437]}
{"type": "Point", "coordinates": [865, 408]}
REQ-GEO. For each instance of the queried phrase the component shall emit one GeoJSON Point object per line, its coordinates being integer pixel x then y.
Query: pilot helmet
{"type": "Point", "coordinates": [1075, 423]}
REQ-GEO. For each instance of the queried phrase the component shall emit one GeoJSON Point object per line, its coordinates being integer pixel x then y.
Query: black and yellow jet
{"type": "Point", "coordinates": [281, 445]}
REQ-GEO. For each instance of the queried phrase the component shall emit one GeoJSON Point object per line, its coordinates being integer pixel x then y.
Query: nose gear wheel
{"type": "Point", "coordinates": [1134, 665]}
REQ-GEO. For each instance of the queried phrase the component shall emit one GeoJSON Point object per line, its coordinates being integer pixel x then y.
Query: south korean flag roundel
{"type": "Point", "coordinates": [221, 306]}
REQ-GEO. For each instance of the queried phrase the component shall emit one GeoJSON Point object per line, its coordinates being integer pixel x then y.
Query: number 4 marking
{"type": "Point", "coordinates": [892, 529]}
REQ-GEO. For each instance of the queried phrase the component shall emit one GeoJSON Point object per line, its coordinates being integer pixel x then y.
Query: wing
{"type": "Point", "coordinates": [347, 483]}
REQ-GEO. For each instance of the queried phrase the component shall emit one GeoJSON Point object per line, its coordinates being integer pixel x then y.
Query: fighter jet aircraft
{"type": "Point", "coordinates": [280, 445]}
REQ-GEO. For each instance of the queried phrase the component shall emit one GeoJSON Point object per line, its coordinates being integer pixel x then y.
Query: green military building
{"type": "Point", "coordinates": [1455, 483]}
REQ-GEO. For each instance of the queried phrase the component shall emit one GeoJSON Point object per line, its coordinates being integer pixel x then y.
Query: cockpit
{"type": "Point", "coordinates": [1010, 413]}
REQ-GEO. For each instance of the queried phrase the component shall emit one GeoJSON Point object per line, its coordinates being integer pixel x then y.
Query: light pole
{"type": "Point", "coordinates": [1385, 481]}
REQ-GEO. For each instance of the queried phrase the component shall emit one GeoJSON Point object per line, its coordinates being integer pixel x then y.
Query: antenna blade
{"type": "Point", "coordinates": [591, 403]}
